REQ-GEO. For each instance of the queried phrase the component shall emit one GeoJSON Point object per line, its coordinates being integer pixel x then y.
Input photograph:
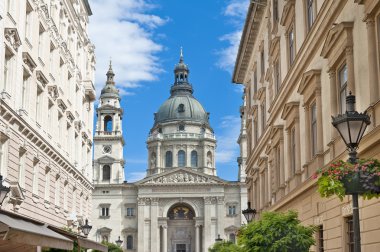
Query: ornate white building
{"type": "Point", "coordinates": [46, 109]}
{"type": "Point", "coordinates": [181, 205]}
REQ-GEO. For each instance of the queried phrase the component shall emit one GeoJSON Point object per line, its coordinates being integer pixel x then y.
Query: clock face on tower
{"type": "Point", "coordinates": [107, 149]}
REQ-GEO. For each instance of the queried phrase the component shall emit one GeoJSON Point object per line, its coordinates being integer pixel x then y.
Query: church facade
{"type": "Point", "coordinates": [181, 205]}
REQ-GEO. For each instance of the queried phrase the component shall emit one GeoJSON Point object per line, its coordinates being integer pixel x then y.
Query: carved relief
{"type": "Point", "coordinates": [70, 116]}
{"type": "Point", "coordinates": [181, 177]}
{"type": "Point", "coordinates": [53, 92]}
{"type": "Point", "coordinates": [27, 59]}
{"type": "Point", "coordinates": [11, 35]}
{"type": "Point", "coordinates": [61, 105]}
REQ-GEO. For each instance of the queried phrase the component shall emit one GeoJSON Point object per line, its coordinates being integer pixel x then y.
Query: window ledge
{"type": "Point", "coordinates": [104, 217]}
{"type": "Point", "coordinates": [231, 215]}
{"type": "Point", "coordinates": [130, 217]}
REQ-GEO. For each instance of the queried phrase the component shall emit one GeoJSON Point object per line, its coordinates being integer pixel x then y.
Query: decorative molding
{"type": "Point", "coordinates": [11, 35]}
{"type": "Point", "coordinates": [28, 60]}
{"type": "Point", "coordinates": [41, 78]}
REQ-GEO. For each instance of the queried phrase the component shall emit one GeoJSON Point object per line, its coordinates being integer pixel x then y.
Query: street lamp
{"type": "Point", "coordinates": [218, 239]}
{"type": "Point", "coordinates": [249, 213]}
{"type": "Point", "coordinates": [119, 242]}
{"type": "Point", "coordinates": [351, 127]}
{"type": "Point", "coordinates": [3, 190]}
{"type": "Point", "coordinates": [86, 228]}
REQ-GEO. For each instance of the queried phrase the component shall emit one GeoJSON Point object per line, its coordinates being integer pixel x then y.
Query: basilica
{"type": "Point", "coordinates": [181, 205]}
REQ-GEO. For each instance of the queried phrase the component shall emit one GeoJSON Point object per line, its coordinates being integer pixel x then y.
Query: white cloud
{"type": "Point", "coordinates": [124, 31]}
{"type": "Point", "coordinates": [135, 176]}
{"type": "Point", "coordinates": [228, 150]}
{"type": "Point", "coordinates": [235, 12]}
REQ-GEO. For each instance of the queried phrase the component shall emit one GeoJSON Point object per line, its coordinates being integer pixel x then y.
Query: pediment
{"type": "Point", "coordinates": [288, 108]}
{"type": "Point", "coordinates": [287, 12]}
{"type": "Point", "coordinates": [308, 78]}
{"type": "Point", "coordinates": [104, 230]}
{"type": "Point", "coordinates": [273, 45]}
{"type": "Point", "coordinates": [335, 34]}
{"type": "Point", "coordinates": [106, 160]}
{"type": "Point", "coordinates": [231, 228]}
{"type": "Point", "coordinates": [181, 176]}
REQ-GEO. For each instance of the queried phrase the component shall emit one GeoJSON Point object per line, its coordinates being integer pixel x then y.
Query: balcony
{"type": "Point", "coordinates": [108, 133]}
{"type": "Point", "coordinates": [89, 89]}
{"type": "Point", "coordinates": [181, 135]}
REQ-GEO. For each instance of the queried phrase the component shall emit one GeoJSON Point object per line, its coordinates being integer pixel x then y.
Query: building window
{"type": "Point", "coordinates": [104, 238]}
{"type": "Point", "coordinates": [255, 132]}
{"type": "Point", "coordinates": [194, 159]}
{"type": "Point", "coordinates": [278, 165]}
{"type": "Point", "coordinates": [255, 82]}
{"type": "Point", "coordinates": [130, 211]}
{"type": "Point", "coordinates": [168, 159]}
{"type": "Point", "coordinates": [47, 184]}
{"type": "Point", "coordinates": [275, 11]}
{"type": "Point", "coordinates": [38, 104]}
{"type": "Point", "coordinates": [293, 150]}
{"type": "Point", "coordinates": [350, 233]}
{"type": "Point", "coordinates": [291, 44]}
{"type": "Point", "coordinates": [65, 195]}
{"type": "Point", "coordinates": [310, 13]}
{"type": "Point", "coordinates": [57, 191]}
{"type": "Point", "coordinates": [231, 210]}
{"type": "Point", "coordinates": [181, 158]}
{"type": "Point", "coordinates": [24, 91]}
{"type": "Point", "coordinates": [105, 211]}
{"type": "Point", "coordinates": [41, 37]}
{"type": "Point", "coordinates": [320, 239]}
{"type": "Point", "coordinates": [28, 21]}
{"type": "Point", "coordinates": [108, 123]}
{"type": "Point", "coordinates": [181, 127]}
{"type": "Point", "coordinates": [49, 116]}
{"type": "Point", "coordinates": [277, 82]}
{"type": "Point", "coordinates": [263, 117]}
{"type": "Point", "coordinates": [342, 88]}
{"type": "Point", "coordinates": [181, 108]}
{"type": "Point", "coordinates": [35, 178]}
{"type": "Point", "coordinates": [153, 160]}
{"type": "Point", "coordinates": [8, 64]}
{"type": "Point", "coordinates": [21, 169]}
{"type": "Point", "coordinates": [262, 61]}
{"type": "Point", "coordinates": [232, 238]}
{"type": "Point", "coordinates": [106, 172]}
{"type": "Point", "coordinates": [313, 129]}
{"type": "Point", "coordinates": [129, 242]}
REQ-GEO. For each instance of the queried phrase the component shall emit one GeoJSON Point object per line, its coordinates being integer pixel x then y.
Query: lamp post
{"type": "Point", "coordinates": [4, 190]}
{"type": "Point", "coordinates": [86, 228]}
{"type": "Point", "coordinates": [351, 127]}
{"type": "Point", "coordinates": [119, 242]}
{"type": "Point", "coordinates": [249, 213]}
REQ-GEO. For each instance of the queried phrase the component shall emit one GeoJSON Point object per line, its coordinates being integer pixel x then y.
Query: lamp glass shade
{"type": "Point", "coordinates": [249, 213]}
{"type": "Point", "coordinates": [86, 228]}
{"type": "Point", "coordinates": [351, 130]}
{"type": "Point", "coordinates": [3, 190]}
{"type": "Point", "coordinates": [119, 242]}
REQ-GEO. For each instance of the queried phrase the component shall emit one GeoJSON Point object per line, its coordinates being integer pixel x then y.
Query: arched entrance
{"type": "Point", "coordinates": [181, 228]}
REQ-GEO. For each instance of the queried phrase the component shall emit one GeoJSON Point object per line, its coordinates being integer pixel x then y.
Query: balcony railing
{"type": "Point", "coordinates": [181, 136]}
{"type": "Point", "coordinates": [108, 133]}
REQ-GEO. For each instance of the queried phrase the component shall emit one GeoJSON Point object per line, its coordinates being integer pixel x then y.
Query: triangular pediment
{"type": "Point", "coordinates": [288, 108]}
{"type": "Point", "coordinates": [335, 34]}
{"type": "Point", "coordinates": [106, 159]}
{"type": "Point", "coordinates": [181, 176]}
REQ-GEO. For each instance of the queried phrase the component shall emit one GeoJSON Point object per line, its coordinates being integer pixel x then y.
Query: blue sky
{"type": "Point", "coordinates": [143, 38]}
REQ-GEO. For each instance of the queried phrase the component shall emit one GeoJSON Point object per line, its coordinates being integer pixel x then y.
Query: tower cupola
{"type": "Point", "coordinates": [181, 84]}
{"type": "Point", "coordinates": [110, 90]}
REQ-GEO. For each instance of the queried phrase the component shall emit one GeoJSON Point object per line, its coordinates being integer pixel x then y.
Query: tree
{"type": "Point", "coordinates": [112, 247]}
{"type": "Point", "coordinates": [225, 246]}
{"type": "Point", "coordinates": [276, 232]}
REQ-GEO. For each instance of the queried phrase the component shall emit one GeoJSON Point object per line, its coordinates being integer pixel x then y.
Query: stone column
{"type": "Point", "coordinates": [350, 70]}
{"type": "Point", "coordinates": [289, 172]}
{"type": "Point", "coordinates": [141, 224]}
{"type": "Point", "coordinates": [307, 143]}
{"type": "Point", "coordinates": [165, 238]}
{"type": "Point", "coordinates": [372, 60]}
{"type": "Point", "coordinates": [221, 214]}
{"type": "Point", "coordinates": [207, 239]}
{"type": "Point", "coordinates": [298, 150]}
{"type": "Point", "coordinates": [197, 238]}
{"type": "Point", "coordinates": [158, 157]}
{"type": "Point", "coordinates": [154, 234]}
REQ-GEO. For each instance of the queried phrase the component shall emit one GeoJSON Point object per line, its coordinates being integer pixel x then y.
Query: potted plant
{"type": "Point", "coordinates": [343, 178]}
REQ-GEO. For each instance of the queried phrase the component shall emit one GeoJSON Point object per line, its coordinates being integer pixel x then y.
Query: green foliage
{"type": "Point", "coordinates": [225, 246]}
{"type": "Point", "coordinates": [276, 232]}
{"type": "Point", "coordinates": [75, 249]}
{"type": "Point", "coordinates": [112, 247]}
{"type": "Point", "coordinates": [330, 178]}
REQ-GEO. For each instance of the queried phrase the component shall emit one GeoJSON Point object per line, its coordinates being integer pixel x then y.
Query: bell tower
{"type": "Point", "coordinates": [108, 139]}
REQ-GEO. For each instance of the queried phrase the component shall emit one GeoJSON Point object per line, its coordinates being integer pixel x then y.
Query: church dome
{"type": "Point", "coordinates": [181, 107]}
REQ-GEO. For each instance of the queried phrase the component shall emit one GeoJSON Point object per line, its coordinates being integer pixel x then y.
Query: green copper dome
{"type": "Point", "coordinates": [181, 105]}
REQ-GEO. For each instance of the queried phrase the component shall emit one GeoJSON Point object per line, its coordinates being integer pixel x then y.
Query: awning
{"type": "Point", "coordinates": [21, 234]}
{"type": "Point", "coordinates": [82, 241]}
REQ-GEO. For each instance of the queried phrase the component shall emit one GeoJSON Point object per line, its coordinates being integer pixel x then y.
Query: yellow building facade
{"type": "Point", "coordinates": [298, 60]}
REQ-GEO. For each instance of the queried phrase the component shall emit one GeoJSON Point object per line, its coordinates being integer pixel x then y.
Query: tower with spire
{"type": "Point", "coordinates": [108, 139]}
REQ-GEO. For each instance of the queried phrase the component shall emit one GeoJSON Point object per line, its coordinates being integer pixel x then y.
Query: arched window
{"type": "Point", "coordinates": [232, 238]}
{"type": "Point", "coordinates": [181, 158]}
{"type": "Point", "coordinates": [108, 123]}
{"type": "Point", "coordinates": [181, 212]}
{"type": "Point", "coordinates": [129, 242]}
{"type": "Point", "coordinates": [168, 159]}
{"type": "Point", "coordinates": [181, 108]}
{"type": "Point", "coordinates": [181, 127]}
{"type": "Point", "coordinates": [209, 159]}
{"type": "Point", "coordinates": [106, 172]}
{"type": "Point", "coordinates": [194, 159]}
